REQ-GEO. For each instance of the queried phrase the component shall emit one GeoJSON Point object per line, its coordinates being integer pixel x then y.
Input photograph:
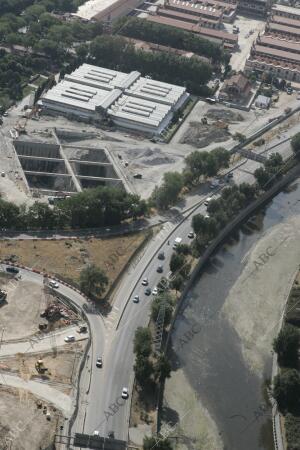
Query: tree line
{"type": "Point", "coordinates": [102, 206]}
{"type": "Point", "coordinates": [142, 29]}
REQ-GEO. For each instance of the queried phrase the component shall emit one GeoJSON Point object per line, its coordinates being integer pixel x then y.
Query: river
{"type": "Point", "coordinates": [221, 346]}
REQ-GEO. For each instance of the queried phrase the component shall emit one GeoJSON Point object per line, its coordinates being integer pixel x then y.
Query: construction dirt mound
{"type": "Point", "coordinates": [199, 135]}
{"type": "Point", "coordinates": [224, 114]}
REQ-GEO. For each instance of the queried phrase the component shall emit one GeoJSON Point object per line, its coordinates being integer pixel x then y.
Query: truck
{"type": "Point", "coordinates": [177, 241]}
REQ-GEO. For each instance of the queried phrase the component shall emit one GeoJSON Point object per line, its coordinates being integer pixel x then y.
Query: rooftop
{"type": "Point", "coordinates": [99, 77]}
{"type": "Point", "coordinates": [139, 110]}
{"type": "Point", "coordinates": [286, 9]}
{"type": "Point", "coordinates": [279, 43]}
{"type": "Point", "coordinates": [286, 21]}
{"type": "Point", "coordinates": [283, 28]}
{"type": "Point", "coordinates": [158, 91]}
{"type": "Point", "coordinates": [208, 32]}
{"type": "Point", "coordinates": [261, 49]}
{"type": "Point", "coordinates": [195, 8]}
{"type": "Point", "coordinates": [75, 95]}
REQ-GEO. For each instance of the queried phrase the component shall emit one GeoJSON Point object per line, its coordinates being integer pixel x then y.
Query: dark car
{"type": "Point", "coordinates": [99, 362]}
{"type": "Point", "coordinates": [160, 269]}
{"type": "Point", "coordinates": [111, 434]}
{"type": "Point", "coordinates": [147, 291]}
{"type": "Point", "coordinates": [161, 255]}
{"type": "Point", "coordinates": [12, 270]}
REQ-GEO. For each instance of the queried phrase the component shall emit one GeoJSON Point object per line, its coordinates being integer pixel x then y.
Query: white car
{"type": "Point", "coordinates": [145, 282]}
{"type": "Point", "coordinates": [125, 392]}
{"type": "Point", "coordinates": [70, 338]}
{"type": "Point", "coordinates": [155, 291]}
{"type": "Point", "coordinates": [136, 299]}
{"type": "Point", "coordinates": [209, 199]}
{"type": "Point", "coordinates": [191, 235]}
{"type": "Point", "coordinates": [53, 284]}
{"type": "Point", "coordinates": [96, 433]}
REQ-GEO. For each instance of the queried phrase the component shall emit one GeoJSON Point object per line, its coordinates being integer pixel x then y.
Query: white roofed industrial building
{"type": "Point", "coordinates": [130, 100]}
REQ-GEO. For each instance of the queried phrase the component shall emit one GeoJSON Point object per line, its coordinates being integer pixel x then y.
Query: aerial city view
{"type": "Point", "coordinates": [150, 224]}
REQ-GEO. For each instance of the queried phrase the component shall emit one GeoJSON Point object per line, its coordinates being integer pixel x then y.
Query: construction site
{"type": "Point", "coordinates": [55, 167]}
{"type": "Point", "coordinates": [38, 365]}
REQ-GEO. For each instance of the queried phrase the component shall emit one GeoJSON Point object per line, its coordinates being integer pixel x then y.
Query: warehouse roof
{"type": "Point", "coordinates": [157, 91]}
{"type": "Point", "coordinates": [76, 95]}
{"type": "Point", "coordinates": [98, 77]}
{"type": "Point", "coordinates": [139, 110]}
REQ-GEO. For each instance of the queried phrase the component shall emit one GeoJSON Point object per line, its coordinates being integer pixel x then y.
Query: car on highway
{"type": "Point", "coordinates": [147, 291]}
{"type": "Point", "coordinates": [191, 235]}
{"type": "Point", "coordinates": [136, 299]}
{"type": "Point", "coordinates": [160, 269]}
{"type": "Point", "coordinates": [70, 338]}
{"type": "Point", "coordinates": [125, 392]}
{"type": "Point", "coordinates": [53, 284]}
{"type": "Point", "coordinates": [145, 282]}
{"type": "Point", "coordinates": [99, 362]}
{"type": "Point", "coordinates": [161, 255]}
{"type": "Point", "coordinates": [155, 291]}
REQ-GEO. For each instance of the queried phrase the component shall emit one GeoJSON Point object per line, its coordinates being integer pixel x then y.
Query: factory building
{"type": "Point", "coordinates": [93, 93]}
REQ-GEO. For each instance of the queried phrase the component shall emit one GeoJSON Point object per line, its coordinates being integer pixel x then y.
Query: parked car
{"type": "Point", "coordinates": [99, 362]}
{"type": "Point", "coordinates": [111, 434]}
{"type": "Point", "coordinates": [145, 282]}
{"type": "Point", "coordinates": [125, 392]}
{"type": "Point", "coordinates": [207, 201]}
{"type": "Point", "coordinates": [12, 270]}
{"type": "Point", "coordinates": [147, 291]}
{"type": "Point", "coordinates": [191, 235]}
{"type": "Point", "coordinates": [160, 269]}
{"type": "Point", "coordinates": [161, 255]}
{"type": "Point", "coordinates": [53, 284]}
{"type": "Point", "coordinates": [136, 299]}
{"type": "Point", "coordinates": [70, 338]}
{"type": "Point", "coordinates": [155, 291]}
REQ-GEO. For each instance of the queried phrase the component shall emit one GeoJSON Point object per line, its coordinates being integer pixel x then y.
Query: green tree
{"type": "Point", "coordinates": [286, 345]}
{"type": "Point", "coordinates": [295, 143]}
{"type": "Point", "coordinates": [185, 249]}
{"type": "Point", "coordinates": [168, 193]}
{"type": "Point", "coordinates": [93, 281]}
{"type": "Point", "coordinates": [143, 370]}
{"type": "Point", "coordinates": [176, 262]}
{"type": "Point", "coordinates": [286, 390]}
{"type": "Point", "coordinates": [177, 282]}
{"type": "Point", "coordinates": [239, 137]}
{"type": "Point", "coordinates": [142, 344]}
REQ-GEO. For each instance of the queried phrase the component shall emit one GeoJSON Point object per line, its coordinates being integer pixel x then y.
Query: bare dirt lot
{"type": "Point", "coordinates": [199, 135]}
{"type": "Point", "coordinates": [20, 416]}
{"type": "Point", "coordinates": [20, 315]}
{"type": "Point", "coordinates": [66, 258]}
{"type": "Point", "coordinates": [61, 365]}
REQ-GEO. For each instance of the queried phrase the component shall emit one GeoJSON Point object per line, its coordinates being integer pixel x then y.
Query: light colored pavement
{"type": "Point", "coordinates": [47, 393]}
{"type": "Point", "coordinates": [42, 343]}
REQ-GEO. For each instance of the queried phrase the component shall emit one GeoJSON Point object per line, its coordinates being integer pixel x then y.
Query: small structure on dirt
{"type": "Point", "coordinates": [236, 89]}
{"type": "Point", "coordinates": [263, 102]}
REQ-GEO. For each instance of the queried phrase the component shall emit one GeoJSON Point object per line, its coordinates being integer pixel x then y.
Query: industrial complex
{"type": "Point", "coordinates": [129, 100]}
